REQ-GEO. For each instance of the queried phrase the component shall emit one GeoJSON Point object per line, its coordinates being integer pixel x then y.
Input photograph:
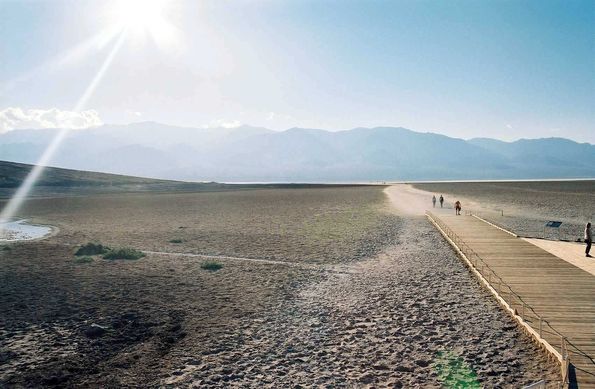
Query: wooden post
{"type": "Point", "coordinates": [523, 314]}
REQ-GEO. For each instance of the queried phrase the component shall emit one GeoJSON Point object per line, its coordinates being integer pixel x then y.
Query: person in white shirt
{"type": "Point", "coordinates": [588, 239]}
{"type": "Point", "coordinates": [434, 201]}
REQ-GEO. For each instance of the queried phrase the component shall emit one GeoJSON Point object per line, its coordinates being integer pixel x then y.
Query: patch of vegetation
{"type": "Point", "coordinates": [124, 253]}
{"type": "Point", "coordinates": [211, 265]}
{"type": "Point", "coordinates": [92, 249]}
{"type": "Point", "coordinates": [454, 372]}
{"type": "Point", "coordinates": [176, 241]}
{"type": "Point", "coordinates": [6, 248]}
{"type": "Point", "coordinates": [83, 259]}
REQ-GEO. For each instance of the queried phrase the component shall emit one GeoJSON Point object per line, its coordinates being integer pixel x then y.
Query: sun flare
{"type": "Point", "coordinates": [144, 17]}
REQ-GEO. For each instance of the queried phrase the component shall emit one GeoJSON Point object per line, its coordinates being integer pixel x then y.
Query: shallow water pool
{"type": "Point", "coordinates": [21, 230]}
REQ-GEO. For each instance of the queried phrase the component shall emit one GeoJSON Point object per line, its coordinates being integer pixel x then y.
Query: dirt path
{"type": "Point", "coordinates": [299, 265]}
{"type": "Point", "coordinates": [224, 258]}
{"type": "Point", "coordinates": [407, 200]}
{"type": "Point", "coordinates": [412, 317]}
{"type": "Point", "coordinates": [411, 201]}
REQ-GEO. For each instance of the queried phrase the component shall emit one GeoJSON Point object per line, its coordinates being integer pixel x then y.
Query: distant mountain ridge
{"type": "Point", "coordinates": [255, 154]}
{"type": "Point", "coordinates": [58, 181]}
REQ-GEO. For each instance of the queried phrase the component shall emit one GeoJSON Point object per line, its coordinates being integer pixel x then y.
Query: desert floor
{"type": "Point", "coordinates": [334, 287]}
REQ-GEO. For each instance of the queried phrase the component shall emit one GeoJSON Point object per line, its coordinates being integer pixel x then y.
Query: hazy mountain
{"type": "Point", "coordinates": [548, 157]}
{"type": "Point", "coordinates": [258, 154]}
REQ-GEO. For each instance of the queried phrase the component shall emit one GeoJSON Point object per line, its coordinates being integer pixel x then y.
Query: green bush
{"type": "Point", "coordinates": [83, 259]}
{"type": "Point", "coordinates": [176, 241]}
{"type": "Point", "coordinates": [211, 265]}
{"type": "Point", "coordinates": [6, 248]}
{"type": "Point", "coordinates": [92, 249]}
{"type": "Point", "coordinates": [124, 253]}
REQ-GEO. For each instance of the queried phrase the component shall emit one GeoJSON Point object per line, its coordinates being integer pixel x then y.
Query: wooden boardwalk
{"type": "Point", "coordinates": [552, 299]}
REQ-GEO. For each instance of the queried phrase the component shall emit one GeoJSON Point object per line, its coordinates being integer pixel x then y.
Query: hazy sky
{"type": "Point", "coordinates": [503, 69]}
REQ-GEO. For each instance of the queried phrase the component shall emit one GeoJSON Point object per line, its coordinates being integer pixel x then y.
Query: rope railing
{"type": "Point", "coordinates": [494, 222]}
{"type": "Point", "coordinates": [567, 233]}
{"type": "Point", "coordinates": [505, 291]}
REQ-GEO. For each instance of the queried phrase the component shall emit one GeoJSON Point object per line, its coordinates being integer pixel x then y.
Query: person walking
{"type": "Point", "coordinates": [441, 201]}
{"type": "Point", "coordinates": [434, 201]}
{"type": "Point", "coordinates": [588, 239]}
{"type": "Point", "coordinates": [458, 207]}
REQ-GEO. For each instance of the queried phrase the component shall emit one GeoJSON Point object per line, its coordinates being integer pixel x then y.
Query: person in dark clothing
{"type": "Point", "coordinates": [588, 239]}
{"type": "Point", "coordinates": [458, 207]}
{"type": "Point", "coordinates": [441, 201]}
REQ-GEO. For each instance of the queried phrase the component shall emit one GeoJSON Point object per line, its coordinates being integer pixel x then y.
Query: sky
{"type": "Point", "coordinates": [499, 69]}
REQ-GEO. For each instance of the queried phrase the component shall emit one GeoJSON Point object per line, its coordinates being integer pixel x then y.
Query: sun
{"type": "Point", "coordinates": [140, 14]}
{"type": "Point", "coordinates": [144, 17]}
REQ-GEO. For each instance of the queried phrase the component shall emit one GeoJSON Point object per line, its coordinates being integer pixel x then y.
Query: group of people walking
{"type": "Point", "coordinates": [588, 238]}
{"type": "Point", "coordinates": [457, 204]}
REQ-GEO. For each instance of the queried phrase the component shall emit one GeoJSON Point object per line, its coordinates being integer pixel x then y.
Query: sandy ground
{"type": "Point", "coordinates": [315, 225]}
{"type": "Point", "coordinates": [411, 317]}
{"type": "Point", "coordinates": [372, 310]}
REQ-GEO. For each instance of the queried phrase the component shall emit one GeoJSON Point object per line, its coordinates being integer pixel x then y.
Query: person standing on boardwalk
{"type": "Point", "coordinates": [588, 239]}
{"type": "Point", "coordinates": [441, 201]}
{"type": "Point", "coordinates": [458, 207]}
{"type": "Point", "coordinates": [434, 201]}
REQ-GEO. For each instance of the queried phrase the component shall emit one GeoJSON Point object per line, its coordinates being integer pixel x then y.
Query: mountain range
{"type": "Point", "coordinates": [253, 154]}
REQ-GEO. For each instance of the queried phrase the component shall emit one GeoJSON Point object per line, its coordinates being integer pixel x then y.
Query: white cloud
{"type": "Point", "coordinates": [278, 116]}
{"type": "Point", "coordinates": [13, 118]}
{"type": "Point", "coordinates": [221, 123]}
{"type": "Point", "coordinates": [510, 127]}
{"type": "Point", "coordinates": [134, 113]}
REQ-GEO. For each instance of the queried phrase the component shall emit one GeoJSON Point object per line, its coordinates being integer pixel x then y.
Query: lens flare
{"type": "Point", "coordinates": [20, 195]}
{"type": "Point", "coordinates": [64, 59]}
